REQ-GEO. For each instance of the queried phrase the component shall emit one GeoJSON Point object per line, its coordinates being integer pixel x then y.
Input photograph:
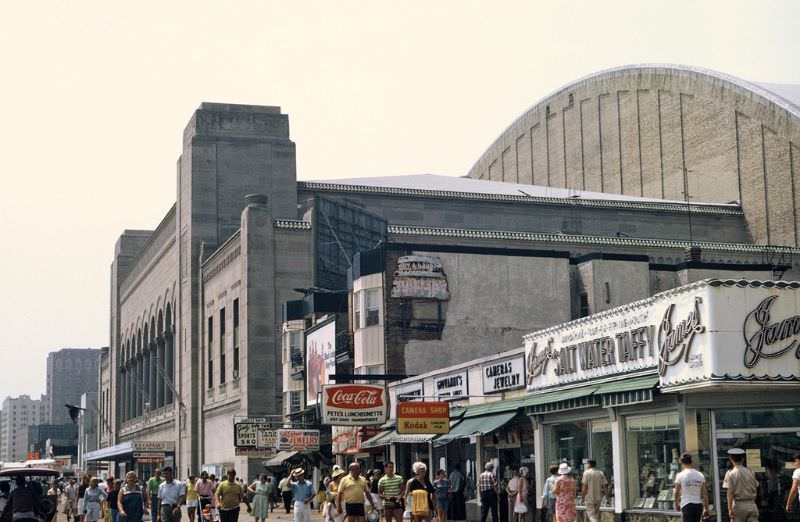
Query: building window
{"type": "Point", "coordinates": [367, 306]}
{"type": "Point", "coordinates": [584, 305]}
{"type": "Point", "coordinates": [653, 444]}
{"type": "Point", "coordinates": [235, 339]}
{"type": "Point", "coordinates": [210, 352]}
{"type": "Point", "coordinates": [295, 348]}
{"type": "Point", "coordinates": [294, 401]}
{"type": "Point", "coordinates": [222, 346]}
{"type": "Point", "coordinates": [373, 306]}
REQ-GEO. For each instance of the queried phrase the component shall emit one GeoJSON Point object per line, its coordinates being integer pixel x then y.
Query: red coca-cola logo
{"type": "Point", "coordinates": [355, 397]}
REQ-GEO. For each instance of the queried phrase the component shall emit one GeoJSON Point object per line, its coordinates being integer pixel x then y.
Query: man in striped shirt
{"type": "Point", "coordinates": [390, 489]}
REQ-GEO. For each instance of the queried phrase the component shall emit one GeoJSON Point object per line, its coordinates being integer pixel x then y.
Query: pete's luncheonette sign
{"type": "Point", "coordinates": [710, 331]}
{"type": "Point", "coordinates": [353, 404]}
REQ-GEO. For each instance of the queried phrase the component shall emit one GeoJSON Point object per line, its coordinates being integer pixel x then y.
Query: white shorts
{"type": "Point", "coordinates": [80, 506]}
{"type": "Point", "coordinates": [192, 503]}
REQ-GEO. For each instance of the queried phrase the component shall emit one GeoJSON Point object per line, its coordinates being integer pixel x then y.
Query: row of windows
{"type": "Point", "coordinates": [67, 364]}
{"type": "Point", "coordinates": [222, 338]}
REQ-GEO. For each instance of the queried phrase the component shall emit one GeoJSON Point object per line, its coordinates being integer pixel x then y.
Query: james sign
{"type": "Point", "coordinates": [353, 404]}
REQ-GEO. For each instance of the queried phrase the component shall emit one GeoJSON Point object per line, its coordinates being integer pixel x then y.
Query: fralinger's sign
{"type": "Point", "coordinates": [710, 331]}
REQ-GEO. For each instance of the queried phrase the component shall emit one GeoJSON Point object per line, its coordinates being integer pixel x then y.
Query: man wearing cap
{"type": "Point", "coordinates": [742, 487]}
{"type": "Point", "coordinates": [171, 495]}
{"type": "Point", "coordinates": [795, 484]}
{"type": "Point", "coordinates": [303, 492]}
{"type": "Point", "coordinates": [487, 490]}
{"type": "Point", "coordinates": [354, 491]}
{"type": "Point", "coordinates": [230, 495]}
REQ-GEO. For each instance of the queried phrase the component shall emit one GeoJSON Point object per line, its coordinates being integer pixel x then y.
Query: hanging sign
{"type": "Point", "coordinates": [451, 387]}
{"type": "Point", "coordinates": [423, 417]}
{"type": "Point", "coordinates": [353, 404]}
{"type": "Point", "coordinates": [297, 440]}
{"type": "Point", "coordinates": [245, 434]}
{"type": "Point", "coordinates": [508, 374]}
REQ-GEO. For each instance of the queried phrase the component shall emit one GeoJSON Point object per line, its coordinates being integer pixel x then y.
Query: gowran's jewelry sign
{"type": "Point", "coordinates": [451, 387]}
{"type": "Point", "coordinates": [508, 374]}
{"type": "Point", "coordinates": [695, 335]}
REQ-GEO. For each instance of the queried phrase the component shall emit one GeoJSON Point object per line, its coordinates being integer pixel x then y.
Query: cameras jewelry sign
{"type": "Point", "coordinates": [508, 374]}
{"type": "Point", "coordinates": [711, 331]}
{"type": "Point", "coordinates": [353, 404]}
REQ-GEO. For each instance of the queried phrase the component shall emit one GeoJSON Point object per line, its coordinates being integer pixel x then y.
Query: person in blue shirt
{"type": "Point", "coordinates": [303, 492]}
{"type": "Point", "coordinates": [548, 495]}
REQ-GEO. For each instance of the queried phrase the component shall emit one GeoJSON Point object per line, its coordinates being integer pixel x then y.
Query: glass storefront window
{"type": "Point", "coordinates": [777, 418]}
{"type": "Point", "coordinates": [602, 452]}
{"type": "Point", "coordinates": [653, 447]}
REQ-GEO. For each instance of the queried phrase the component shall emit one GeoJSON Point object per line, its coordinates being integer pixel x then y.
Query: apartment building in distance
{"type": "Point", "coordinates": [17, 415]}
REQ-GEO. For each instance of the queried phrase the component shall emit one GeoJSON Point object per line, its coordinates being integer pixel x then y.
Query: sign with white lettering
{"type": "Point", "coordinates": [691, 336]}
{"type": "Point", "coordinates": [420, 276]}
{"type": "Point", "coordinates": [353, 404]}
{"type": "Point", "coordinates": [412, 391]}
{"type": "Point", "coordinates": [451, 387]}
{"type": "Point", "coordinates": [297, 440]}
{"type": "Point", "coordinates": [245, 434]}
{"type": "Point", "coordinates": [508, 374]}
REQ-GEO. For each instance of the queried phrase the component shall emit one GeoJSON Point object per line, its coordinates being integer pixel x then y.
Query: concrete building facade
{"type": "Point", "coordinates": [17, 415]}
{"type": "Point", "coordinates": [197, 328]}
{"type": "Point", "coordinates": [71, 372]}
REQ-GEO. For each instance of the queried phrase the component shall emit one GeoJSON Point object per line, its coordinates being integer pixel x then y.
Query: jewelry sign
{"type": "Point", "coordinates": [508, 374]}
{"type": "Point", "coordinates": [451, 387]}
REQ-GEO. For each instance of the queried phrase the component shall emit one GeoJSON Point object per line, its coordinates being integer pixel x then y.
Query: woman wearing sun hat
{"type": "Point", "coordinates": [565, 491]}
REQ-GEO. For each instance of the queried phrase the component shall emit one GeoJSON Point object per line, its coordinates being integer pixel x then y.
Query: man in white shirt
{"type": "Point", "coordinates": [691, 493]}
{"type": "Point", "coordinates": [795, 484]}
{"type": "Point", "coordinates": [171, 495]}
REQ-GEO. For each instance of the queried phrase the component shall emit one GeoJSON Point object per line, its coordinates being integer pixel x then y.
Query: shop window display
{"type": "Point", "coordinates": [602, 452]}
{"type": "Point", "coordinates": [653, 445]}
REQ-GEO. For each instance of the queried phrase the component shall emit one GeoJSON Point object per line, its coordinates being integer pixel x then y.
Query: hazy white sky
{"type": "Point", "coordinates": [97, 94]}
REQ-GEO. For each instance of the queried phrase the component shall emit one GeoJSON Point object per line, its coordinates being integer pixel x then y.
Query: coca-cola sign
{"type": "Point", "coordinates": [353, 404]}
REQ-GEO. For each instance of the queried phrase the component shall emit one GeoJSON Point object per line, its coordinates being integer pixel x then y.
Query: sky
{"type": "Point", "coordinates": [96, 95]}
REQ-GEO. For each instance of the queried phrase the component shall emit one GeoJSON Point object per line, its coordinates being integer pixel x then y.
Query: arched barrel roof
{"type": "Point", "coordinates": [634, 129]}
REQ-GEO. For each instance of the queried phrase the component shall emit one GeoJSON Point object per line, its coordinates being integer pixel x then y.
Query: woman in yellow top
{"type": "Point", "coordinates": [192, 498]}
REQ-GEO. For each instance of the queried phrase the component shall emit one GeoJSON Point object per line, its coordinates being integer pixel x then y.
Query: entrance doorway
{"type": "Point", "coordinates": [770, 455]}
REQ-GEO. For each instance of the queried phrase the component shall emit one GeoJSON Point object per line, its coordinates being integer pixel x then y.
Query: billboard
{"type": "Point", "coordinates": [423, 417]}
{"type": "Point", "coordinates": [339, 232]}
{"type": "Point", "coordinates": [353, 404]}
{"type": "Point", "coordinates": [320, 358]}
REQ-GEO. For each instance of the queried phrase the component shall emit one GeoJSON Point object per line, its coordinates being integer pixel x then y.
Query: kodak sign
{"type": "Point", "coordinates": [423, 417]}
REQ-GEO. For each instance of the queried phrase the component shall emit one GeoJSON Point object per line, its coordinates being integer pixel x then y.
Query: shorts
{"type": "Point", "coordinates": [192, 503]}
{"type": "Point", "coordinates": [442, 503]}
{"type": "Point", "coordinates": [80, 506]}
{"type": "Point", "coordinates": [354, 510]}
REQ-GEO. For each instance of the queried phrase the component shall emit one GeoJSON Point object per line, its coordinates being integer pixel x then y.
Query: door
{"type": "Point", "coordinates": [770, 455]}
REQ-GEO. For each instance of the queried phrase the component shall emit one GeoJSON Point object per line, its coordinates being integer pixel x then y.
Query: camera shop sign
{"type": "Point", "coordinates": [353, 404]}
{"type": "Point", "coordinates": [695, 335]}
{"type": "Point", "coordinates": [451, 387]}
{"type": "Point", "coordinates": [508, 374]}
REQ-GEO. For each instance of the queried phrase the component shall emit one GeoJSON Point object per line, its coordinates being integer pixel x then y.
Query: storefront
{"type": "Point", "coordinates": [699, 369]}
{"type": "Point", "coordinates": [142, 456]}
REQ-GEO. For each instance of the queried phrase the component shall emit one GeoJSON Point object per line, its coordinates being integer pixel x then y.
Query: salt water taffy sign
{"type": "Point", "coordinates": [691, 336]}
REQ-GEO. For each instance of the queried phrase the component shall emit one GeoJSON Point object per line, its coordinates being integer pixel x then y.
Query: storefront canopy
{"type": "Point", "coordinates": [475, 426]}
{"type": "Point", "coordinates": [279, 458]}
{"type": "Point", "coordinates": [377, 440]}
{"type": "Point", "coordinates": [627, 391]}
{"type": "Point", "coordinates": [398, 438]}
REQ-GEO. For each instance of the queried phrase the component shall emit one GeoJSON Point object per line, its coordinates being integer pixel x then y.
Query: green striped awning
{"type": "Point", "coordinates": [475, 426]}
{"type": "Point", "coordinates": [627, 391]}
